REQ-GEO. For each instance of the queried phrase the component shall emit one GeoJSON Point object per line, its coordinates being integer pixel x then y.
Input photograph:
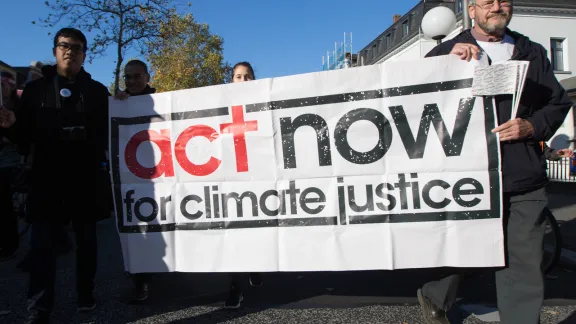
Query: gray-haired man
{"type": "Point", "coordinates": [543, 108]}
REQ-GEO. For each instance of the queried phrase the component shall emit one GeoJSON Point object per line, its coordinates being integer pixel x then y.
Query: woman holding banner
{"type": "Point", "coordinates": [241, 72]}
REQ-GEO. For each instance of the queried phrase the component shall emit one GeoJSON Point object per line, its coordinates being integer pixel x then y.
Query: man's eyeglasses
{"type": "Point", "coordinates": [133, 76]}
{"type": "Point", "coordinates": [77, 48]}
{"type": "Point", "coordinates": [490, 4]}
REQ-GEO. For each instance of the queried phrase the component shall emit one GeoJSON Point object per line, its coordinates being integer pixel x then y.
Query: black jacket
{"type": "Point", "coordinates": [544, 103]}
{"type": "Point", "coordinates": [67, 166]}
{"type": "Point", "coordinates": [551, 154]}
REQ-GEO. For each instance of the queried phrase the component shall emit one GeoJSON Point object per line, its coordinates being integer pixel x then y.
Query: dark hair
{"type": "Point", "coordinates": [71, 33]}
{"type": "Point", "coordinates": [137, 63]}
{"type": "Point", "coordinates": [246, 65]}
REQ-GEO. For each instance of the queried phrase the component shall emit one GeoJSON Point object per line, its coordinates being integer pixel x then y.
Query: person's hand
{"type": "Point", "coordinates": [122, 95]}
{"type": "Point", "coordinates": [466, 51]}
{"type": "Point", "coordinates": [565, 153]}
{"type": "Point", "coordinates": [7, 118]}
{"type": "Point", "coordinates": [514, 129]}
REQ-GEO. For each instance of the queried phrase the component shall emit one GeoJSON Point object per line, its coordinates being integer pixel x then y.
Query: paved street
{"type": "Point", "coordinates": [337, 297]}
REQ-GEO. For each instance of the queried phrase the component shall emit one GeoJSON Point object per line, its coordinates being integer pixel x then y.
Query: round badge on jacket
{"type": "Point", "coordinates": [65, 93]}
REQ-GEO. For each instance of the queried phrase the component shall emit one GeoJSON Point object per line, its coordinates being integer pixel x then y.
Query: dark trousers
{"type": "Point", "coordinates": [8, 219]}
{"type": "Point", "coordinates": [520, 286]}
{"type": "Point", "coordinates": [46, 246]}
{"type": "Point", "coordinates": [140, 279]}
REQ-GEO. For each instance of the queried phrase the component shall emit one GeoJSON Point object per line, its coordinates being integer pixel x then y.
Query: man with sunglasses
{"type": "Point", "coordinates": [543, 108]}
{"type": "Point", "coordinates": [63, 119]}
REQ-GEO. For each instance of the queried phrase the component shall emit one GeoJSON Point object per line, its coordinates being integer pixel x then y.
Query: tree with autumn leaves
{"type": "Point", "coordinates": [152, 27]}
{"type": "Point", "coordinates": [187, 56]}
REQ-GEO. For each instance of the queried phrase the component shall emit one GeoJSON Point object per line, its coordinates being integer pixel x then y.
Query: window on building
{"type": "Point", "coordinates": [381, 44]}
{"type": "Point", "coordinates": [405, 28]}
{"type": "Point", "coordinates": [557, 54]}
{"type": "Point", "coordinates": [459, 6]}
{"type": "Point", "coordinates": [388, 40]}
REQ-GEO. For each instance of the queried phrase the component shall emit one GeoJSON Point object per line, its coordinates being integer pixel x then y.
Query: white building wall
{"type": "Point", "coordinates": [540, 28]}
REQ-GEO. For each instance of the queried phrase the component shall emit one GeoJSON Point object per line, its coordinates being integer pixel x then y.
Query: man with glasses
{"type": "Point", "coordinates": [64, 119]}
{"type": "Point", "coordinates": [543, 108]}
{"type": "Point", "coordinates": [136, 79]}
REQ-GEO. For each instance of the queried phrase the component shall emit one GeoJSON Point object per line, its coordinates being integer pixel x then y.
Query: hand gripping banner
{"type": "Point", "coordinates": [387, 166]}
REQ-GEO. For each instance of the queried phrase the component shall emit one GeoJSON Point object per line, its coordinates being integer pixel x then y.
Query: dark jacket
{"type": "Point", "coordinates": [544, 103]}
{"type": "Point", "coordinates": [550, 154]}
{"type": "Point", "coordinates": [68, 137]}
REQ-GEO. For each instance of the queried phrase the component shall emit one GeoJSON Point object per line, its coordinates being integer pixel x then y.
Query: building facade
{"type": "Point", "coordinates": [551, 23]}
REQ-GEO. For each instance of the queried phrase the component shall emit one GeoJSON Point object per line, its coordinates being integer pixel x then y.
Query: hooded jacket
{"type": "Point", "coordinates": [544, 103]}
{"type": "Point", "coordinates": [66, 124]}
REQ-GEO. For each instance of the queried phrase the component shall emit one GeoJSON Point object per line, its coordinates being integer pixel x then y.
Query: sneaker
{"type": "Point", "coordinates": [86, 304]}
{"type": "Point", "coordinates": [234, 299]}
{"type": "Point", "coordinates": [139, 294]}
{"type": "Point", "coordinates": [255, 280]}
{"type": "Point", "coordinates": [7, 255]}
{"type": "Point", "coordinates": [430, 312]}
{"type": "Point", "coordinates": [38, 318]}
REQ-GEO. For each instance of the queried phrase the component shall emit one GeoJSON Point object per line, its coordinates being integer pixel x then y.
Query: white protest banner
{"type": "Point", "coordinates": [387, 166]}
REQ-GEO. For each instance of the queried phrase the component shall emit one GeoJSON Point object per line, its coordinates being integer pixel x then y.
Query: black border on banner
{"type": "Point", "coordinates": [491, 141]}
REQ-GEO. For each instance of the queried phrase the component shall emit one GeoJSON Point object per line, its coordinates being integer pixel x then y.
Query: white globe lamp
{"type": "Point", "coordinates": [438, 22]}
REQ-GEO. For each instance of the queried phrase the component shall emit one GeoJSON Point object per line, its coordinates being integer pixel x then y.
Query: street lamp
{"type": "Point", "coordinates": [438, 22]}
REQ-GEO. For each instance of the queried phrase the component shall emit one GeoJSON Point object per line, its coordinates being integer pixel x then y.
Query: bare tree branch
{"type": "Point", "coordinates": [126, 24]}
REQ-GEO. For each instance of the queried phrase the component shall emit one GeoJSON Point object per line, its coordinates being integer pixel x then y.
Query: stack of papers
{"type": "Point", "coordinates": [501, 78]}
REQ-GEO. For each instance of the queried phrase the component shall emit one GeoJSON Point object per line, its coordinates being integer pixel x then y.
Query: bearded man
{"type": "Point", "coordinates": [542, 110]}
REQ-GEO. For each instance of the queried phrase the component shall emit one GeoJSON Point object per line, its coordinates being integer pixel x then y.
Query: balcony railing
{"type": "Point", "coordinates": [562, 171]}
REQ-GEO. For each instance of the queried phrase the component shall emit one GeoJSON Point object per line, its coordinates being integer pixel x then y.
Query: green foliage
{"type": "Point", "coordinates": [128, 24]}
{"type": "Point", "coordinates": [186, 56]}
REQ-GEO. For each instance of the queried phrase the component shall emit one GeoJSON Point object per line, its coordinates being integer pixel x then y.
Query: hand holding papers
{"type": "Point", "coordinates": [501, 78]}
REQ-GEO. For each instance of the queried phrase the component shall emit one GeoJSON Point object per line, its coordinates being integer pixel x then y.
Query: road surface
{"type": "Point", "coordinates": [336, 297]}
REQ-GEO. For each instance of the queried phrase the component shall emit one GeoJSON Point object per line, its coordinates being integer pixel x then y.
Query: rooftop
{"type": "Point", "coordinates": [405, 28]}
{"type": "Point", "coordinates": [559, 4]}
{"type": "Point", "coordinates": [20, 72]}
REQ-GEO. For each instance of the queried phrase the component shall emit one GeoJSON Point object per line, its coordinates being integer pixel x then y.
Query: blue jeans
{"type": "Point", "coordinates": [46, 245]}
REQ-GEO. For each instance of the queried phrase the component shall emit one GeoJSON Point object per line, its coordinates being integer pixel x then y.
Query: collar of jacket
{"type": "Point", "coordinates": [50, 71]}
{"type": "Point", "coordinates": [523, 47]}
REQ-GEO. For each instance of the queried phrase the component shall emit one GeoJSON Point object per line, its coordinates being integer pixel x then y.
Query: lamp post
{"type": "Point", "coordinates": [466, 21]}
{"type": "Point", "coordinates": [438, 22]}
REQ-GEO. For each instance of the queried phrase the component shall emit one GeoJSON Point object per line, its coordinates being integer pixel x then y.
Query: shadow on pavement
{"type": "Point", "coordinates": [173, 292]}
{"type": "Point", "coordinates": [570, 320]}
{"type": "Point", "coordinates": [561, 194]}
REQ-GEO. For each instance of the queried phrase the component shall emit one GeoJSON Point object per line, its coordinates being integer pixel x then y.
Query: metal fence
{"type": "Point", "coordinates": [562, 171]}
